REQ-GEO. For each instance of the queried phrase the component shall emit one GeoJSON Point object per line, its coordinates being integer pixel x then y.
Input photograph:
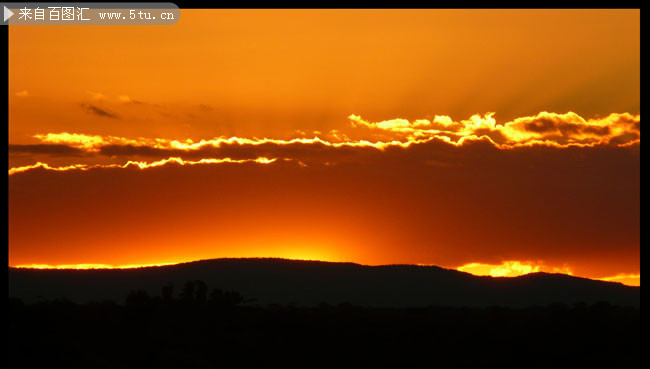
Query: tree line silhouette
{"type": "Point", "coordinates": [199, 327]}
{"type": "Point", "coordinates": [193, 292]}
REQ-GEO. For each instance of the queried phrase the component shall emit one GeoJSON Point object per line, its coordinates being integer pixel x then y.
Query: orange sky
{"type": "Point", "coordinates": [444, 137]}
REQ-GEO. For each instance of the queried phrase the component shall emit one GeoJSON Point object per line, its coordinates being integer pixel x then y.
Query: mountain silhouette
{"type": "Point", "coordinates": [270, 281]}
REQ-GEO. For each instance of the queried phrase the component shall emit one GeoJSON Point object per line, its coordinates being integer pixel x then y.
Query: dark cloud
{"type": "Point", "coordinates": [568, 129]}
{"type": "Point", "coordinates": [309, 153]}
{"type": "Point", "coordinates": [99, 111]}
{"type": "Point", "coordinates": [599, 131]}
{"type": "Point", "coordinates": [132, 150]}
{"type": "Point", "coordinates": [47, 149]}
{"type": "Point", "coordinates": [541, 126]}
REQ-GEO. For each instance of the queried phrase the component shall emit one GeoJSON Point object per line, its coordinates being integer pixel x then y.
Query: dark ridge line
{"type": "Point", "coordinates": [322, 262]}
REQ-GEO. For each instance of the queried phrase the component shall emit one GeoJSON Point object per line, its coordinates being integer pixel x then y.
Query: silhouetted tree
{"type": "Point", "coordinates": [234, 298]}
{"type": "Point", "coordinates": [201, 291]}
{"type": "Point", "coordinates": [216, 296]}
{"type": "Point", "coordinates": [228, 298]}
{"type": "Point", "coordinates": [187, 294]}
{"type": "Point", "coordinates": [138, 297]}
{"type": "Point", "coordinates": [167, 292]}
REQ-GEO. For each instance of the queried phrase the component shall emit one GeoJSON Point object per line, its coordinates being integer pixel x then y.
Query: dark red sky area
{"type": "Point", "coordinates": [431, 203]}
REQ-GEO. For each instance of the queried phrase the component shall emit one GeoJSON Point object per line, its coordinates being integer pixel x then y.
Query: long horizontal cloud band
{"type": "Point", "coordinates": [543, 130]}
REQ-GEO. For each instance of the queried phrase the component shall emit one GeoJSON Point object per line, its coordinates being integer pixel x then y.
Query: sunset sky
{"type": "Point", "coordinates": [497, 142]}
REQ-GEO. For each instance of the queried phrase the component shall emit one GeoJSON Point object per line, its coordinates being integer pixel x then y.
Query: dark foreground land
{"type": "Point", "coordinates": [308, 283]}
{"type": "Point", "coordinates": [315, 314]}
{"type": "Point", "coordinates": [202, 328]}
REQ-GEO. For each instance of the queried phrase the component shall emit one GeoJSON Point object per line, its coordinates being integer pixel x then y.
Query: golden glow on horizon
{"type": "Point", "coordinates": [510, 268]}
{"type": "Point", "coordinates": [506, 269]}
{"type": "Point", "coordinates": [514, 268]}
{"type": "Point", "coordinates": [629, 279]}
{"type": "Point", "coordinates": [88, 266]}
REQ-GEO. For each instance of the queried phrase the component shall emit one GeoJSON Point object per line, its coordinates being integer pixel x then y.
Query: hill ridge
{"type": "Point", "coordinates": [310, 282]}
